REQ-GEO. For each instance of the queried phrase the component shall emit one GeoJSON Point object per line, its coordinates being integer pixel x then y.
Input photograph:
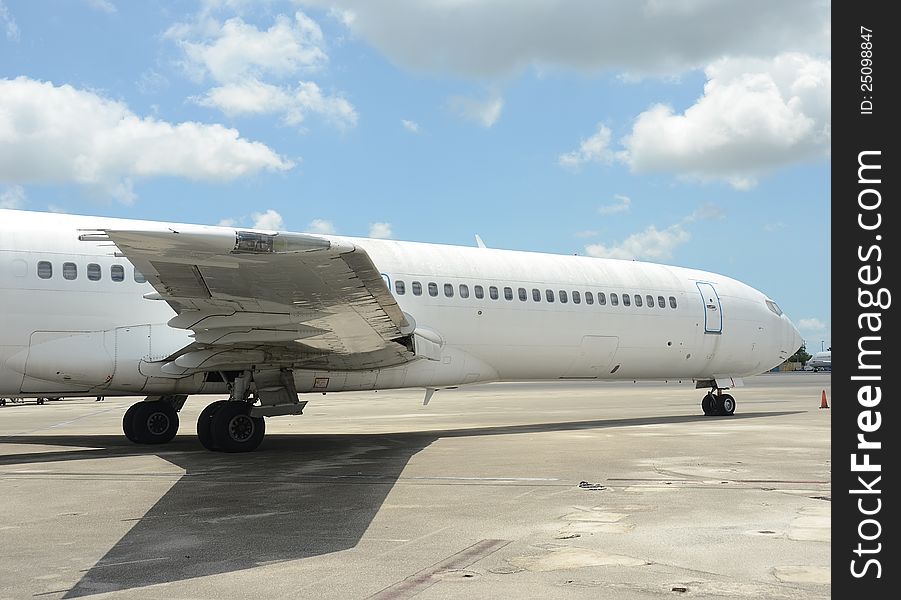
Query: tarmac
{"type": "Point", "coordinates": [518, 490]}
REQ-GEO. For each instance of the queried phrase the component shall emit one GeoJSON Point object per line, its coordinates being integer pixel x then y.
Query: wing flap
{"type": "Point", "coordinates": [293, 297]}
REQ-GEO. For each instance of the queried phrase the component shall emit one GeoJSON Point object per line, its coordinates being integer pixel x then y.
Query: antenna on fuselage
{"type": "Point", "coordinates": [479, 242]}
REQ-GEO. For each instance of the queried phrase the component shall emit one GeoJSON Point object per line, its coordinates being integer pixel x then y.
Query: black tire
{"type": "Point", "coordinates": [205, 425]}
{"type": "Point", "coordinates": [726, 405]}
{"type": "Point", "coordinates": [708, 405]}
{"type": "Point", "coordinates": [155, 422]}
{"type": "Point", "coordinates": [234, 430]}
{"type": "Point", "coordinates": [40, 400]}
{"type": "Point", "coordinates": [128, 423]}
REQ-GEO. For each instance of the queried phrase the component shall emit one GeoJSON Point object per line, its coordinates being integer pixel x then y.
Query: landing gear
{"type": "Point", "coordinates": [725, 405]}
{"type": "Point", "coordinates": [227, 426]}
{"type": "Point", "coordinates": [718, 404]}
{"type": "Point", "coordinates": [205, 425]}
{"type": "Point", "coordinates": [153, 421]}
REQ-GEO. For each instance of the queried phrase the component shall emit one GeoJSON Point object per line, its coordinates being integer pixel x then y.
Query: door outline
{"type": "Point", "coordinates": [713, 313]}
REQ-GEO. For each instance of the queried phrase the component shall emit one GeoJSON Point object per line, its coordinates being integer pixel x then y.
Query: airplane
{"type": "Point", "coordinates": [95, 306]}
{"type": "Point", "coordinates": [821, 361]}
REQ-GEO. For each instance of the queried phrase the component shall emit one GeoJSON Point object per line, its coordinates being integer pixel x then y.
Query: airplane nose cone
{"type": "Point", "coordinates": [795, 336]}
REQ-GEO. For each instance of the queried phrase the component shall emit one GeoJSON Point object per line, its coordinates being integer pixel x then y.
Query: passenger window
{"type": "Point", "coordinates": [448, 290]}
{"type": "Point", "coordinates": [637, 299]}
{"type": "Point", "coordinates": [672, 302]}
{"type": "Point", "coordinates": [400, 287]}
{"type": "Point", "coordinates": [492, 291]}
{"type": "Point", "coordinates": [94, 271]}
{"type": "Point", "coordinates": [480, 291]}
{"type": "Point", "coordinates": [602, 299]}
{"type": "Point", "coordinates": [661, 302]}
{"type": "Point", "coordinates": [508, 293]}
{"type": "Point", "coordinates": [577, 298]}
{"type": "Point", "coordinates": [549, 294]}
{"type": "Point", "coordinates": [536, 294]}
{"type": "Point", "coordinates": [45, 269]}
{"type": "Point", "coordinates": [523, 294]}
{"type": "Point", "coordinates": [650, 300]}
{"type": "Point", "coordinates": [464, 290]}
{"type": "Point", "coordinates": [117, 273]}
{"type": "Point", "coordinates": [589, 298]}
{"type": "Point", "coordinates": [416, 287]}
{"type": "Point", "coordinates": [139, 277]}
{"type": "Point", "coordinates": [433, 289]}
{"type": "Point", "coordinates": [614, 300]}
{"type": "Point", "coordinates": [563, 297]}
{"type": "Point", "coordinates": [626, 300]}
{"type": "Point", "coordinates": [70, 271]}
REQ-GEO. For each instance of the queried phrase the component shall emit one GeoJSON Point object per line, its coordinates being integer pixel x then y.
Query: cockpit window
{"type": "Point", "coordinates": [774, 307]}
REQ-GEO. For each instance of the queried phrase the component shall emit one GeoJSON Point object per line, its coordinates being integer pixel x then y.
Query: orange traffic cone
{"type": "Point", "coordinates": [823, 403]}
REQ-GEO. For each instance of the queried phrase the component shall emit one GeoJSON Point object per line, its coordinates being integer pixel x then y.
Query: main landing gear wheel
{"type": "Point", "coordinates": [234, 430]}
{"type": "Point", "coordinates": [725, 405]}
{"type": "Point", "coordinates": [128, 423]}
{"type": "Point", "coordinates": [708, 404]}
{"type": "Point", "coordinates": [154, 422]}
{"type": "Point", "coordinates": [205, 425]}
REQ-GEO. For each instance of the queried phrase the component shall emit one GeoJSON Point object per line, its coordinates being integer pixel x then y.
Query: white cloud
{"type": "Point", "coordinates": [650, 244]}
{"type": "Point", "coordinates": [270, 220]}
{"type": "Point", "coordinates": [705, 212]}
{"type": "Point", "coordinates": [227, 222]}
{"type": "Point", "coordinates": [594, 149]}
{"type": "Point", "coordinates": [235, 50]}
{"type": "Point", "coordinates": [151, 81]}
{"type": "Point", "coordinates": [773, 227]}
{"type": "Point", "coordinates": [60, 134]}
{"type": "Point", "coordinates": [255, 97]}
{"type": "Point", "coordinates": [504, 37]}
{"type": "Point", "coordinates": [102, 5]}
{"type": "Point", "coordinates": [587, 233]}
{"type": "Point", "coordinates": [811, 324]}
{"type": "Point", "coordinates": [411, 126]}
{"type": "Point", "coordinates": [484, 112]}
{"type": "Point", "coordinates": [12, 197]}
{"type": "Point", "coordinates": [622, 204]}
{"type": "Point", "coordinates": [9, 24]}
{"type": "Point", "coordinates": [755, 115]}
{"type": "Point", "coordinates": [322, 226]}
{"type": "Point", "coordinates": [380, 230]}
{"type": "Point", "coordinates": [250, 66]}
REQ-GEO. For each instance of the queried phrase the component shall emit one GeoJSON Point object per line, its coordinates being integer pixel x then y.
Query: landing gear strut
{"type": "Point", "coordinates": [237, 424]}
{"type": "Point", "coordinates": [716, 403]}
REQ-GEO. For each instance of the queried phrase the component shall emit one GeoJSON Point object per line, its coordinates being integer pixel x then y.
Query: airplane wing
{"type": "Point", "coordinates": [280, 299]}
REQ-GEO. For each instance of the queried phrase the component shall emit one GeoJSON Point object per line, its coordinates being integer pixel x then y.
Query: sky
{"type": "Point", "coordinates": [686, 132]}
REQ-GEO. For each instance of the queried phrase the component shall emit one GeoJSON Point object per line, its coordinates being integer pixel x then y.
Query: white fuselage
{"type": "Point", "coordinates": [65, 333]}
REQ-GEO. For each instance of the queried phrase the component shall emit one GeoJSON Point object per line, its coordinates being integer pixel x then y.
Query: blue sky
{"type": "Point", "coordinates": [688, 132]}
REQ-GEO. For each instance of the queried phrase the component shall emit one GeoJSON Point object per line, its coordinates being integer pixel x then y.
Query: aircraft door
{"type": "Point", "coordinates": [713, 308]}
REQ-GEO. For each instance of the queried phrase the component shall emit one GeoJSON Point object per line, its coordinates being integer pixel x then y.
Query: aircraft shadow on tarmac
{"type": "Point", "coordinates": [297, 496]}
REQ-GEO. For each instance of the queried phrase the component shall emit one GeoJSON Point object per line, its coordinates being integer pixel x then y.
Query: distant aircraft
{"type": "Point", "coordinates": [94, 306]}
{"type": "Point", "coordinates": [821, 361]}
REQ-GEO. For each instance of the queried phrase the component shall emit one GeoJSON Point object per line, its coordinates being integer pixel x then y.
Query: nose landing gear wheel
{"type": "Point", "coordinates": [234, 430]}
